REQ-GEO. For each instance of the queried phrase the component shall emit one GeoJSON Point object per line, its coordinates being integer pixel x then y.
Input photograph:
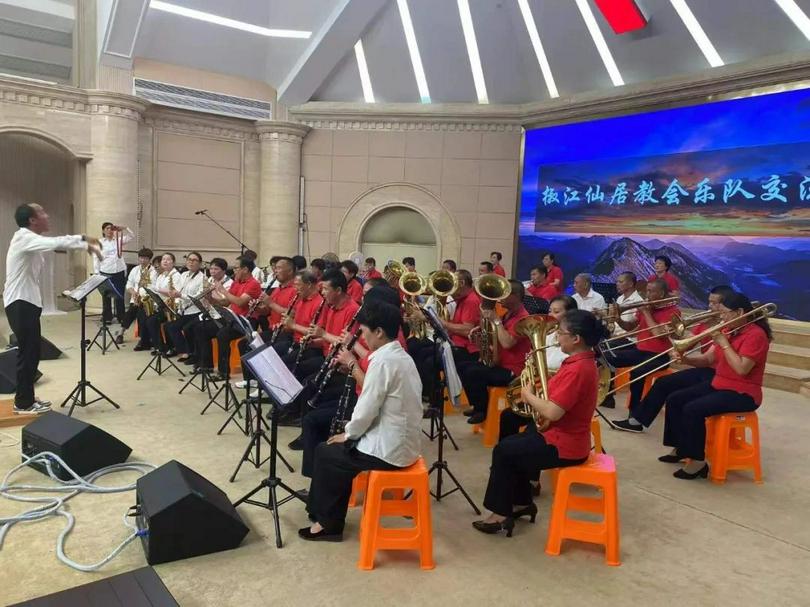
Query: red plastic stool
{"type": "Point", "coordinates": [727, 447]}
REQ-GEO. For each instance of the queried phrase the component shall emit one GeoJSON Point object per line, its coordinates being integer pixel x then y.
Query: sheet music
{"type": "Point", "coordinates": [450, 375]}
{"type": "Point", "coordinates": [87, 287]}
{"type": "Point", "coordinates": [240, 322]}
{"type": "Point", "coordinates": [273, 375]}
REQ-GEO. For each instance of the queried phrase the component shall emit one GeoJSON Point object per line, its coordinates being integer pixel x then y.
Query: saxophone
{"type": "Point", "coordinates": [145, 280]}
{"type": "Point", "coordinates": [171, 302]}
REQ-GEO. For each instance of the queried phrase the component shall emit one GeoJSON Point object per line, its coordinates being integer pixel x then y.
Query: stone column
{"type": "Point", "coordinates": [280, 186]}
{"type": "Point", "coordinates": [112, 174]}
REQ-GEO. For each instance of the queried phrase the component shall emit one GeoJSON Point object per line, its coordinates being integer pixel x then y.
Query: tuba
{"type": "Point", "coordinates": [536, 328]}
{"type": "Point", "coordinates": [442, 284]}
{"type": "Point", "coordinates": [491, 288]}
{"type": "Point", "coordinates": [413, 285]}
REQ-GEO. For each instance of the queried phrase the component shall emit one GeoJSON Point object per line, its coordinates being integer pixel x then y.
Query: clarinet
{"type": "Point", "coordinates": [280, 326]}
{"type": "Point", "coordinates": [329, 369]}
{"type": "Point", "coordinates": [302, 345]}
{"type": "Point", "coordinates": [338, 424]}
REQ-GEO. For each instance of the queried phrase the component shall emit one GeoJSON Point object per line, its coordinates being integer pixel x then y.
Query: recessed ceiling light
{"type": "Point", "coordinates": [365, 79]}
{"type": "Point", "coordinates": [534, 36]}
{"type": "Point", "coordinates": [797, 15]}
{"type": "Point", "coordinates": [413, 50]}
{"type": "Point", "coordinates": [702, 40]}
{"type": "Point", "coordinates": [224, 21]}
{"type": "Point", "coordinates": [599, 41]}
{"type": "Point", "coordinates": [472, 51]}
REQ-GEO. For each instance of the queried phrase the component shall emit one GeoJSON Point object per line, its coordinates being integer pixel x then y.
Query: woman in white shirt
{"type": "Point", "coordinates": [112, 264]}
{"type": "Point", "coordinates": [192, 283]}
{"type": "Point", "coordinates": [167, 281]}
{"type": "Point", "coordinates": [384, 432]}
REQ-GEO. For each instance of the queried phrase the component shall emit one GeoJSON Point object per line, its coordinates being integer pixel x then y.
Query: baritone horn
{"type": "Point", "coordinates": [393, 271]}
{"type": "Point", "coordinates": [414, 284]}
{"type": "Point", "coordinates": [491, 288]}
{"type": "Point", "coordinates": [442, 284]}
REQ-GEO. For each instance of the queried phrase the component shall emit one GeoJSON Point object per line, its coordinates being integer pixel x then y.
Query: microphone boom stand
{"type": "Point", "coordinates": [205, 214]}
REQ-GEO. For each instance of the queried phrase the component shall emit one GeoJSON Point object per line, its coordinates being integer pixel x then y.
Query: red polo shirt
{"type": "Point", "coordinates": [355, 290]}
{"type": "Point", "coordinates": [574, 389]}
{"type": "Point", "coordinates": [250, 286]}
{"type": "Point", "coordinates": [305, 310]}
{"type": "Point", "coordinates": [499, 270]}
{"type": "Point", "coordinates": [373, 273]}
{"type": "Point", "coordinates": [281, 296]}
{"type": "Point", "coordinates": [672, 281]}
{"type": "Point", "coordinates": [515, 357]}
{"type": "Point", "coordinates": [467, 312]}
{"type": "Point", "coordinates": [544, 291]}
{"type": "Point", "coordinates": [707, 342]}
{"type": "Point", "coordinates": [334, 320]}
{"type": "Point", "coordinates": [750, 342]}
{"type": "Point", "coordinates": [555, 273]}
{"type": "Point", "coordinates": [656, 344]}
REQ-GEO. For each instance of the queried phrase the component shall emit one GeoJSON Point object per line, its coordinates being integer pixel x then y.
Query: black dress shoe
{"type": "Point", "coordinates": [468, 412]}
{"type": "Point", "coordinates": [626, 426]}
{"type": "Point", "coordinates": [190, 361]}
{"type": "Point", "coordinates": [217, 377]}
{"type": "Point", "coordinates": [170, 353]}
{"type": "Point", "coordinates": [296, 444]}
{"type": "Point", "coordinates": [669, 458]}
{"type": "Point", "coordinates": [140, 348]}
{"type": "Point", "coordinates": [507, 524]}
{"type": "Point", "coordinates": [702, 473]}
{"type": "Point", "coordinates": [119, 340]}
{"type": "Point", "coordinates": [608, 403]}
{"type": "Point", "coordinates": [322, 536]}
{"type": "Point", "coordinates": [476, 418]}
{"type": "Point", "coordinates": [530, 511]}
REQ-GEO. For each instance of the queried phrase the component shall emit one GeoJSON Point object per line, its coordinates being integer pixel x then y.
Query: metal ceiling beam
{"type": "Point", "coordinates": [336, 37]}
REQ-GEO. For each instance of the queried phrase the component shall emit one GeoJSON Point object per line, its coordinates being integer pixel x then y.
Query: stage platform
{"type": "Point", "coordinates": [7, 417]}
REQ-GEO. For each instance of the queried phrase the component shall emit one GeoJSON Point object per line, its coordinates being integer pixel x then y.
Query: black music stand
{"type": "Point", "coordinates": [440, 466]}
{"type": "Point", "coordinates": [104, 330]}
{"type": "Point", "coordinates": [241, 324]}
{"type": "Point", "coordinates": [158, 358]}
{"type": "Point", "coordinates": [281, 387]}
{"type": "Point", "coordinates": [203, 374]}
{"type": "Point", "coordinates": [79, 394]}
{"type": "Point", "coordinates": [253, 343]}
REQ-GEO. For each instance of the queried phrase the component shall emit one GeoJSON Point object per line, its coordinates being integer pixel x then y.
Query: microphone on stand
{"type": "Point", "coordinates": [202, 212]}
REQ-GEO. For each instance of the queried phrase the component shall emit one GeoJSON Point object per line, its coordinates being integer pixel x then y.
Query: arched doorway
{"type": "Point", "coordinates": [396, 232]}
{"type": "Point", "coordinates": [33, 169]}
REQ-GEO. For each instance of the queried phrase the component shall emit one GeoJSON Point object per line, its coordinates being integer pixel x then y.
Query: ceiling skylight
{"type": "Point", "coordinates": [702, 40]}
{"type": "Point", "coordinates": [365, 79]}
{"type": "Point", "coordinates": [599, 41]}
{"type": "Point", "coordinates": [797, 15]}
{"type": "Point", "coordinates": [534, 36]}
{"type": "Point", "coordinates": [413, 50]}
{"type": "Point", "coordinates": [472, 50]}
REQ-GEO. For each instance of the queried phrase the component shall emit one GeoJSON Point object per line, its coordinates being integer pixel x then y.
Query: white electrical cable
{"type": "Point", "coordinates": [54, 506]}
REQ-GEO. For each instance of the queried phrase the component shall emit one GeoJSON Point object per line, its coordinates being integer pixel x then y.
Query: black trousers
{"type": "Point", "coordinates": [650, 406]}
{"type": "Point", "coordinates": [23, 318]}
{"type": "Point", "coordinates": [119, 281]}
{"type": "Point", "coordinates": [476, 377]}
{"type": "Point", "coordinates": [516, 461]}
{"type": "Point", "coordinates": [132, 314]}
{"type": "Point", "coordinates": [207, 331]}
{"type": "Point", "coordinates": [153, 324]}
{"type": "Point", "coordinates": [687, 410]}
{"type": "Point", "coordinates": [426, 365]}
{"type": "Point", "coordinates": [178, 331]}
{"type": "Point", "coordinates": [511, 423]}
{"type": "Point", "coordinates": [630, 357]}
{"type": "Point", "coordinates": [315, 428]}
{"type": "Point", "coordinates": [335, 468]}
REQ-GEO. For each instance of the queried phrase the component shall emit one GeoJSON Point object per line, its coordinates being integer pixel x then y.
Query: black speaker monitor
{"type": "Point", "coordinates": [83, 447]}
{"type": "Point", "coordinates": [8, 371]}
{"type": "Point", "coordinates": [47, 351]}
{"type": "Point", "coordinates": [185, 515]}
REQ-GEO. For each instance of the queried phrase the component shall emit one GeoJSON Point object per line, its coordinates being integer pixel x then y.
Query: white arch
{"type": "Point", "coordinates": [46, 136]}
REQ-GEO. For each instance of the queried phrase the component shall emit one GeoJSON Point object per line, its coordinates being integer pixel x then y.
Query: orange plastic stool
{"type": "Point", "coordinates": [491, 425]}
{"type": "Point", "coordinates": [599, 471]}
{"type": "Point", "coordinates": [596, 433]}
{"type": "Point", "coordinates": [622, 378]}
{"type": "Point", "coordinates": [235, 357]}
{"type": "Point", "coordinates": [374, 537]}
{"type": "Point", "coordinates": [727, 447]}
{"type": "Point", "coordinates": [649, 381]}
{"type": "Point", "coordinates": [360, 485]}
{"type": "Point", "coordinates": [137, 332]}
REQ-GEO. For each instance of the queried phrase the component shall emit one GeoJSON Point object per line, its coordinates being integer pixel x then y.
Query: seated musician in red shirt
{"type": "Point", "coordinates": [539, 286]}
{"type": "Point", "coordinates": [353, 286]}
{"type": "Point", "coordinates": [738, 357]}
{"type": "Point", "coordinates": [476, 377]}
{"type": "Point", "coordinates": [495, 258]}
{"type": "Point", "coordinates": [301, 323]}
{"type": "Point", "coordinates": [650, 351]}
{"type": "Point", "coordinates": [370, 269]}
{"type": "Point", "coordinates": [275, 305]}
{"type": "Point", "coordinates": [569, 404]}
{"type": "Point", "coordinates": [663, 265]}
{"type": "Point", "coordinates": [649, 407]}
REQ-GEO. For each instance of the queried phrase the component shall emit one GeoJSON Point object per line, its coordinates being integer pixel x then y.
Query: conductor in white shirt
{"type": "Point", "coordinates": [113, 266]}
{"type": "Point", "coordinates": [22, 296]}
{"type": "Point", "coordinates": [586, 298]}
{"type": "Point", "coordinates": [384, 431]}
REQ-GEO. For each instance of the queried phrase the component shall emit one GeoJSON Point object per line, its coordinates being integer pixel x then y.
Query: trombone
{"type": "Point", "coordinates": [687, 345]}
{"type": "Point", "coordinates": [621, 309]}
{"type": "Point", "coordinates": [677, 326]}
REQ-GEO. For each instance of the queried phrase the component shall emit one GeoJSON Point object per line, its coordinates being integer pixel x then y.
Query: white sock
{"type": "Point", "coordinates": [694, 465]}
{"type": "Point", "coordinates": [633, 421]}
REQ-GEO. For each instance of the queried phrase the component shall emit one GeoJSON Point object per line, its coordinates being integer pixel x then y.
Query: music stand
{"type": "Point", "coordinates": [440, 466]}
{"type": "Point", "coordinates": [79, 394]}
{"type": "Point", "coordinates": [104, 329]}
{"type": "Point", "coordinates": [208, 312]}
{"type": "Point", "coordinates": [253, 341]}
{"type": "Point", "coordinates": [281, 387]}
{"type": "Point", "coordinates": [156, 364]}
{"type": "Point", "coordinates": [242, 324]}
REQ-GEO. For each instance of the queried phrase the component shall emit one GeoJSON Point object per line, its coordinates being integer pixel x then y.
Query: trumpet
{"type": "Point", "coordinates": [492, 288]}
{"type": "Point", "coordinates": [413, 285]}
{"type": "Point", "coordinates": [442, 284]}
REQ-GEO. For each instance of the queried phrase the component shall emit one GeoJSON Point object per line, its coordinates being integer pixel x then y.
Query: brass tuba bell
{"type": "Point", "coordinates": [414, 284]}
{"type": "Point", "coordinates": [442, 284]}
{"type": "Point", "coordinates": [491, 288]}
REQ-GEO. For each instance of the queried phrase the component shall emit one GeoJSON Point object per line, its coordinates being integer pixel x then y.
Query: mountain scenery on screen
{"type": "Point", "coordinates": [762, 268]}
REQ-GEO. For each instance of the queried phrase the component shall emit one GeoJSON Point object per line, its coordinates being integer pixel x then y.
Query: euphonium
{"type": "Point", "coordinates": [536, 328]}
{"type": "Point", "coordinates": [393, 271]}
{"type": "Point", "coordinates": [145, 281]}
{"type": "Point", "coordinates": [442, 284]}
{"type": "Point", "coordinates": [413, 285]}
{"type": "Point", "coordinates": [491, 288]}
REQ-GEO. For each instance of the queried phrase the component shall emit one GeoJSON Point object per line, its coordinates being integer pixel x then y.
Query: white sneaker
{"type": "Point", "coordinates": [255, 393]}
{"type": "Point", "coordinates": [34, 409]}
{"type": "Point", "coordinates": [242, 384]}
{"type": "Point", "coordinates": [42, 403]}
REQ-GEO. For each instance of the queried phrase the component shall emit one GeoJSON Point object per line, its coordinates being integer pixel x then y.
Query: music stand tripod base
{"type": "Point", "coordinates": [101, 334]}
{"type": "Point", "coordinates": [158, 366]}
